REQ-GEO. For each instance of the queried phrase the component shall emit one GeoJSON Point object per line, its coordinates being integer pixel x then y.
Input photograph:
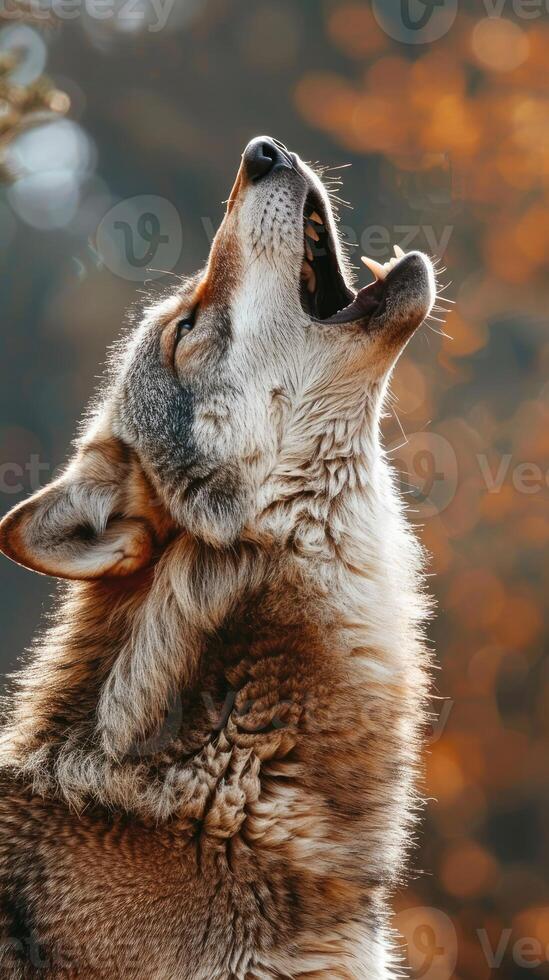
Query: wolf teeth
{"type": "Point", "coordinates": [381, 271]}
{"type": "Point", "coordinates": [312, 233]}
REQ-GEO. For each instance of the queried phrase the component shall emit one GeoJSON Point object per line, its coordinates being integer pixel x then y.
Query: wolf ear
{"type": "Point", "coordinates": [100, 518]}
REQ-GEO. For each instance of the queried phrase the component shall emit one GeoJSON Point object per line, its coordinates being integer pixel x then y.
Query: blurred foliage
{"type": "Point", "coordinates": [449, 143]}
{"type": "Point", "coordinates": [24, 105]}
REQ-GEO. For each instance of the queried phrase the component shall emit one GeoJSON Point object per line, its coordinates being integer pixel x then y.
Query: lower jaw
{"type": "Point", "coordinates": [362, 306]}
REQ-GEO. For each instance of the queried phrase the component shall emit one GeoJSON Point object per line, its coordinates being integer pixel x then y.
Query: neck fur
{"type": "Point", "coordinates": [86, 718]}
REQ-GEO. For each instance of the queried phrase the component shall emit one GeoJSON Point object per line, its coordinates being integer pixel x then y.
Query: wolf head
{"type": "Point", "coordinates": [251, 392]}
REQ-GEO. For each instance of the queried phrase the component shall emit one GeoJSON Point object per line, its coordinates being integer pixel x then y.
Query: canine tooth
{"type": "Point", "coordinates": [379, 270]}
{"type": "Point", "coordinates": [312, 233]}
{"type": "Point", "coordinates": [399, 252]}
{"type": "Point", "coordinates": [316, 217]}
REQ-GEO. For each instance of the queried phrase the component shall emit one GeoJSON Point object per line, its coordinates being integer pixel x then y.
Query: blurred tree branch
{"type": "Point", "coordinates": [23, 106]}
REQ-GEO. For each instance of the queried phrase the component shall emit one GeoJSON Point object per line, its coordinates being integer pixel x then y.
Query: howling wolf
{"type": "Point", "coordinates": [209, 765]}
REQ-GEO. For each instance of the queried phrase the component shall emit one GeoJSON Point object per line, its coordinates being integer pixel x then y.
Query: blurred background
{"type": "Point", "coordinates": [121, 129]}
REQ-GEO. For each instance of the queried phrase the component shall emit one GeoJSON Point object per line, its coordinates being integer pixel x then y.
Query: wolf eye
{"type": "Point", "coordinates": [185, 326]}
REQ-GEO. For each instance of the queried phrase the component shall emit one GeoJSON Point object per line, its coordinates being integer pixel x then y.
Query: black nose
{"type": "Point", "coordinates": [263, 156]}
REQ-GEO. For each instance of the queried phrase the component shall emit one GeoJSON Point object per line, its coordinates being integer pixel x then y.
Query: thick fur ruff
{"type": "Point", "coordinates": [209, 765]}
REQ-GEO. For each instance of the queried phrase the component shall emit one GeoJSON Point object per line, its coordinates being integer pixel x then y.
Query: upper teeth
{"type": "Point", "coordinates": [381, 271]}
{"type": "Point", "coordinates": [308, 274]}
{"type": "Point", "coordinates": [312, 233]}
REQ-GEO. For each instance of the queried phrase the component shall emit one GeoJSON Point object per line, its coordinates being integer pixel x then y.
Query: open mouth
{"type": "Point", "coordinates": [325, 296]}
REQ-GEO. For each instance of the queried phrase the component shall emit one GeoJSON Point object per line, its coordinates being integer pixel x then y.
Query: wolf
{"type": "Point", "coordinates": [209, 766]}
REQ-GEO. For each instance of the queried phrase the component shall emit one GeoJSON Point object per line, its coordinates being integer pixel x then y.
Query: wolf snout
{"type": "Point", "coordinates": [264, 156]}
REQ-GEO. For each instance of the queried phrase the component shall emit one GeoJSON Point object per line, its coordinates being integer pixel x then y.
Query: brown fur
{"type": "Point", "coordinates": [208, 765]}
{"type": "Point", "coordinates": [278, 835]}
